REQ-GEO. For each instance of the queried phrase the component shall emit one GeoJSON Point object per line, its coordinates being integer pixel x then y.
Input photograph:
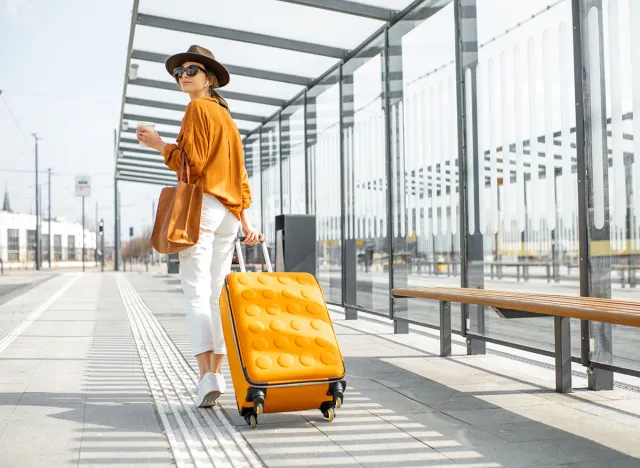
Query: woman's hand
{"type": "Point", "coordinates": [252, 236]}
{"type": "Point", "coordinates": [150, 137]}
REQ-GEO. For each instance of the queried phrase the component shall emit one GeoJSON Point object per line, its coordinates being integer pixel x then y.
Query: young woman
{"type": "Point", "coordinates": [213, 146]}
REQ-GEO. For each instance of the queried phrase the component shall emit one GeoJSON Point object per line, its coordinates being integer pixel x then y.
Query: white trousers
{"type": "Point", "coordinates": [203, 268]}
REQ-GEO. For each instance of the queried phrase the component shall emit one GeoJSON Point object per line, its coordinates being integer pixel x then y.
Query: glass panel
{"type": "Point", "coordinates": [13, 245]}
{"type": "Point", "coordinates": [230, 52]}
{"type": "Point", "coordinates": [424, 152]}
{"type": "Point", "coordinates": [57, 247]}
{"type": "Point", "coordinates": [390, 4]}
{"type": "Point", "coordinates": [365, 170]}
{"type": "Point", "coordinates": [293, 159]}
{"type": "Point", "coordinates": [45, 246]}
{"type": "Point", "coordinates": [273, 18]}
{"type": "Point", "coordinates": [323, 147]}
{"type": "Point", "coordinates": [31, 245]}
{"type": "Point", "coordinates": [253, 255]}
{"type": "Point", "coordinates": [613, 30]}
{"type": "Point", "coordinates": [525, 117]}
{"type": "Point", "coordinates": [270, 160]}
{"type": "Point", "coordinates": [71, 248]}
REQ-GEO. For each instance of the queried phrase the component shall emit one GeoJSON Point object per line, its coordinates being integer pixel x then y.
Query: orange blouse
{"type": "Point", "coordinates": [212, 143]}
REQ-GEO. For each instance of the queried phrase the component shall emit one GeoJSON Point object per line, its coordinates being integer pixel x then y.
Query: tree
{"type": "Point", "coordinates": [139, 247]}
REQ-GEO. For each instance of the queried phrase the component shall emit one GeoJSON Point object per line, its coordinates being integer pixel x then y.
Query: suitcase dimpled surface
{"type": "Point", "coordinates": [282, 349]}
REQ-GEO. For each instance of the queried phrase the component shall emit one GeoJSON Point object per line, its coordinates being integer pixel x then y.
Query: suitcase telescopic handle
{"type": "Point", "coordinates": [265, 253]}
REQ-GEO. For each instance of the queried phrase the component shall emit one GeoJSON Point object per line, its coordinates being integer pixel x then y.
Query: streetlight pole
{"type": "Point", "coordinates": [83, 234]}
{"type": "Point", "coordinates": [97, 245]}
{"type": "Point", "coordinates": [38, 240]}
{"type": "Point", "coordinates": [101, 235]}
{"type": "Point", "coordinates": [153, 220]}
{"type": "Point", "coordinates": [49, 233]}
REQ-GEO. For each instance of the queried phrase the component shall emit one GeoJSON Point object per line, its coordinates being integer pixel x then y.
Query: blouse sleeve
{"type": "Point", "coordinates": [193, 138]}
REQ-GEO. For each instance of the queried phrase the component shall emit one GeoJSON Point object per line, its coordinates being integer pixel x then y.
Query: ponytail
{"type": "Point", "coordinates": [213, 92]}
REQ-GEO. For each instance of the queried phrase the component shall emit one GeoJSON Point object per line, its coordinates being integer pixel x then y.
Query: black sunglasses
{"type": "Point", "coordinates": [192, 70]}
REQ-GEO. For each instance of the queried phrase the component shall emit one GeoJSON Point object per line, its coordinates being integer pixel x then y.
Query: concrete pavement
{"type": "Point", "coordinates": [95, 369]}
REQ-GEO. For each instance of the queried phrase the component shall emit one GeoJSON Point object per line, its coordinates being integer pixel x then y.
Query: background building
{"type": "Point", "coordinates": [18, 241]}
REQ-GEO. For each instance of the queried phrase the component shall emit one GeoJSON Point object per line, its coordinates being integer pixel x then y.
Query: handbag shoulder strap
{"type": "Point", "coordinates": [185, 168]}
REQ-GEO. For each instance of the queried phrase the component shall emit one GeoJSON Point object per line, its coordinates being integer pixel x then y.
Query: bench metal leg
{"type": "Point", "coordinates": [400, 327]}
{"type": "Point", "coordinates": [562, 354]}
{"type": "Point", "coordinates": [445, 328]}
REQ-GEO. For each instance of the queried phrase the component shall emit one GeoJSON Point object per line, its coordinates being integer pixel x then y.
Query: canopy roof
{"type": "Point", "coordinates": [274, 50]}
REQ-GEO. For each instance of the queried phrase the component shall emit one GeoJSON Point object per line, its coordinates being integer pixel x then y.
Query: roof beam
{"type": "Point", "coordinates": [233, 69]}
{"type": "Point", "coordinates": [157, 120]}
{"type": "Point", "coordinates": [143, 180]}
{"type": "Point", "coordinates": [182, 107]}
{"type": "Point", "coordinates": [129, 165]}
{"type": "Point", "coordinates": [139, 151]}
{"type": "Point", "coordinates": [161, 121]}
{"type": "Point", "coordinates": [349, 8]}
{"type": "Point", "coordinates": [134, 172]}
{"type": "Point", "coordinates": [129, 159]}
{"type": "Point", "coordinates": [269, 101]}
{"type": "Point", "coordinates": [161, 133]}
{"type": "Point", "coordinates": [240, 36]}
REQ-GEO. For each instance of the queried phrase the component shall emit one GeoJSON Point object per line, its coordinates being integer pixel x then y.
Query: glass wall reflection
{"type": "Point", "coordinates": [424, 156]}
{"type": "Point", "coordinates": [526, 139]}
{"type": "Point", "coordinates": [325, 194]}
{"type": "Point", "coordinates": [271, 194]}
{"type": "Point", "coordinates": [293, 159]}
{"type": "Point", "coordinates": [365, 173]}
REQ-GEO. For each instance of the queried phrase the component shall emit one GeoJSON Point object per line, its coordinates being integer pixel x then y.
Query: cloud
{"type": "Point", "coordinates": [22, 11]}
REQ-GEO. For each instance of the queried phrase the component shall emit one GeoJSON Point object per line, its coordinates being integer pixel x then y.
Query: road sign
{"type": "Point", "coordinates": [83, 186]}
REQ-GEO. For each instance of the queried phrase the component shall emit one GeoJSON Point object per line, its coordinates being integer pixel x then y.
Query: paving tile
{"type": "Point", "coordinates": [39, 460]}
{"type": "Point", "coordinates": [19, 438]}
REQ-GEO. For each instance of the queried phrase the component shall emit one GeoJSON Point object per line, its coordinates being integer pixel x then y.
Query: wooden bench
{"type": "Point", "coordinates": [631, 273]}
{"type": "Point", "coordinates": [434, 267]}
{"type": "Point", "coordinates": [562, 308]}
{"type": "Point", "coordinates": [520, 265]}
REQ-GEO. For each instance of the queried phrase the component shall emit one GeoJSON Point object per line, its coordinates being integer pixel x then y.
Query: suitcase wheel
{"type": "Point", "coordinates": [258, 405]}
{"type": "Point", "coordinates": [252, 420]}
{"type": "Point", "coordinates": [337, 400]}
{"type": "Point", "coordinates": [329, 413]}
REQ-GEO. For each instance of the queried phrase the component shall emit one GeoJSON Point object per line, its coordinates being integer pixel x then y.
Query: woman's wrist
{"type": "Point", "coordinates": [244, 219]}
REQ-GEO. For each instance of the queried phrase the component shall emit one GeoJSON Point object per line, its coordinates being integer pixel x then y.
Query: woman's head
{"type": "Point", "coordinates": [194, 78]}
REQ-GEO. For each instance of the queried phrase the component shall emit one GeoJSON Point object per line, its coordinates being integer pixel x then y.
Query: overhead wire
{"type": "Point", "coordinates": [15, 120]}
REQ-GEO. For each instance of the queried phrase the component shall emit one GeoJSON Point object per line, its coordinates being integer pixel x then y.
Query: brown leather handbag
{"type": "Point", "coordinates": [177, 225]}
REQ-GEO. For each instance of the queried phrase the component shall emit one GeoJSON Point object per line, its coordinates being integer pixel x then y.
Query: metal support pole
{"type": "Point", "coordinates": [445, 328]}
{"type": "Point", "coordinates": [591, 138]}
{"type": "Point", "coordinates": [307, 168]}
{"type": "Point", "coordinates": [153, 221]}
{"type": "Point", "coordinates": [393, 86]}
{"type": "Point", "coordinates": [83, 233]}
{"type": "Point", "coordinates": [471, 240]}
{"type": "Point", "coordinates": [555, 254]}
{"type": "Point", "coordinates": [349, 274]}
{"type": "Point", "coordinates": [37, 188]}
{"type": "Point", "coordinates": [562, 334]}
{"type": "Point", "coordinates": [49, 247]}
{"type": "Point", "coordinates": [95, 254]}
{"type": "Point", "coordinates": [102, 246]}
{"type": "Point", "coordinates": [116, 233]}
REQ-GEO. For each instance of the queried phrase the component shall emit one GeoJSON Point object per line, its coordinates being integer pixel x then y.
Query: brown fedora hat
{"type": "Point", "coordinates": [200, 55]}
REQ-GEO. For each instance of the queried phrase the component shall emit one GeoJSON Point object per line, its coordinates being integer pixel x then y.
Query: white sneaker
{"type": "Point", "coordinates": [221, 383]}
{"type": "Point", "coordinates": [208, 390]}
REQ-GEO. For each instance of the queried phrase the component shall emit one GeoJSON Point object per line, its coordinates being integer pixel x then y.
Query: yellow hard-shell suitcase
{"type": "Point", "coordinates": [282, 349]}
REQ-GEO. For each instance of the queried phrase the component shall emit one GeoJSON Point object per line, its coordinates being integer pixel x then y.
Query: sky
{"type": "Point", "coordinates": [62, 78]}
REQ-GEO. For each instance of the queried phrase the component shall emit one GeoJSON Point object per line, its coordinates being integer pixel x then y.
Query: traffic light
{"type": "Point", "coordinates": [101, 228]}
